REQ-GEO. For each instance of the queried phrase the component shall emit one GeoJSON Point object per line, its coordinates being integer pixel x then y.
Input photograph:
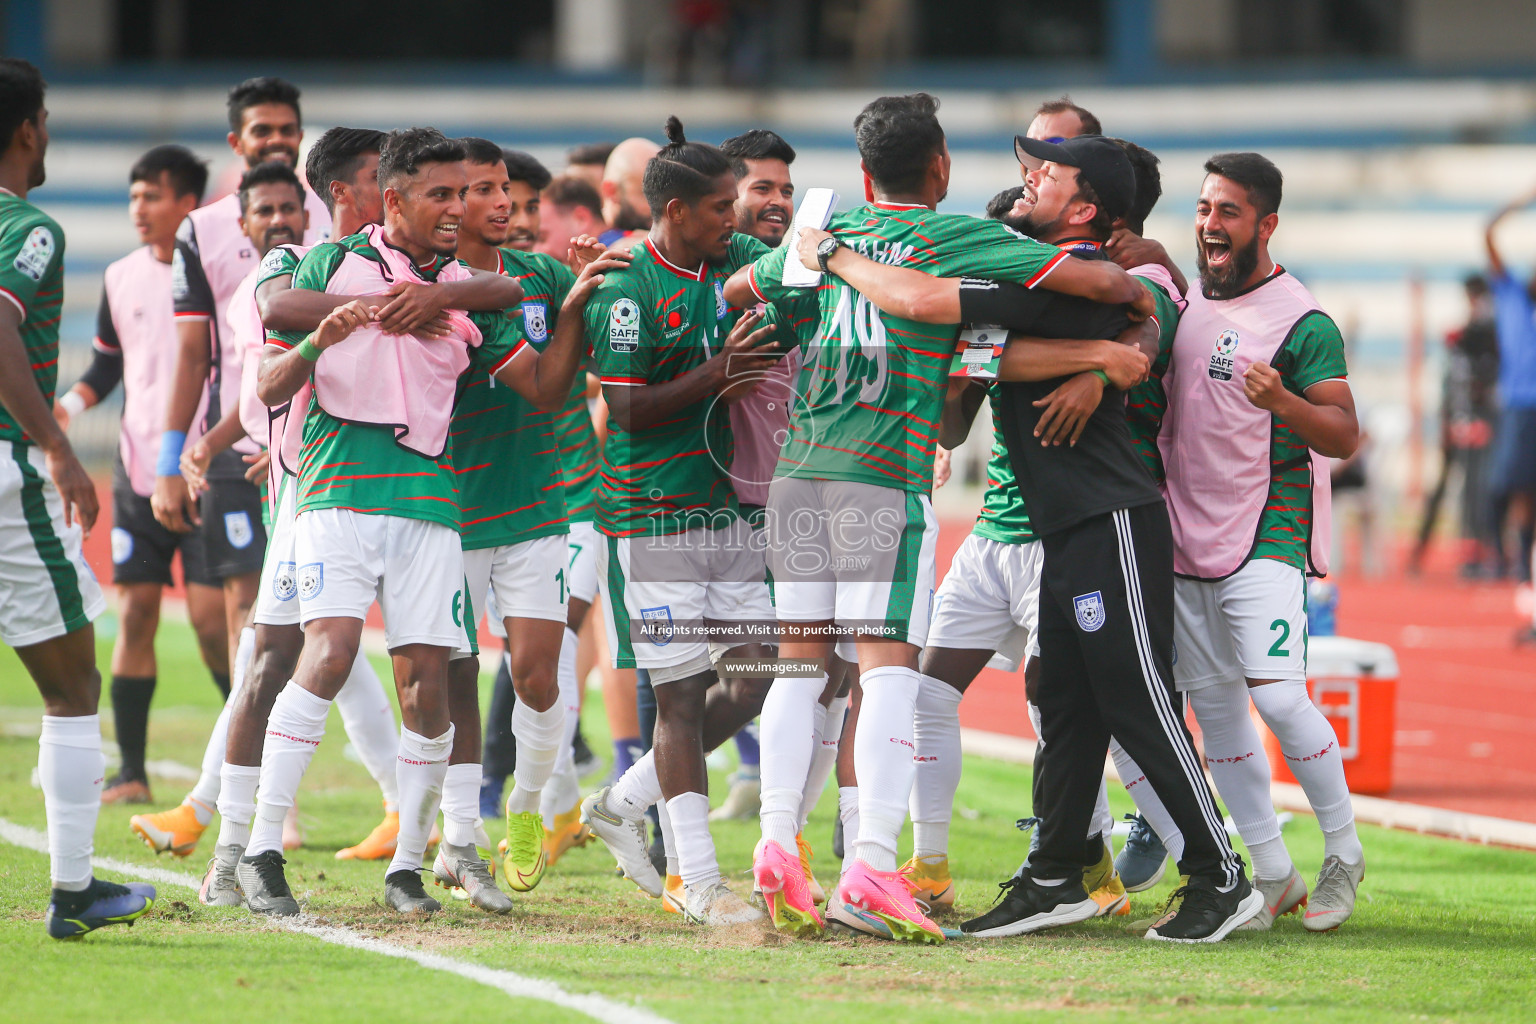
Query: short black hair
{"type": "Point", "coordinates": [1475, 284]}
{"type": "Point", "coordinates": [897, 137]}
{"type": "Point", "coordinates": [254, 91]}
{"type": "Point", "coordinates": [481, 151]}
{"type": "Point", "coordinates": [187, 174]}
{"type": "Point", "coordinates": [403, 152]}
{"type": "Point", "coordinates": [568, 190]}
{"type": "Point", "coordinates": [526, 168]}
{"type": "Point", "coordinates": [682, 170]}
{"type": "Point", "coordinates": [999, 205]}
{"type": "Point", "coordinates": [1103, 225]}
{"type": "Point", "coordinates": [1254, 172]}
{"type": "Point", "coordinates": [273, 172]}
{"type": "Point", "coordinates": [1149, 183]}
{"type": "Point", "coordinates": [1061, 105]}
{"type": "Point", "coordinates": [590, 154]}
{"type": "Point", "coordinates": [336, 156]}
{"type": "Point", "coordinates": [756, 144]}
{"type": "Point", "coordinates": [21, 97]}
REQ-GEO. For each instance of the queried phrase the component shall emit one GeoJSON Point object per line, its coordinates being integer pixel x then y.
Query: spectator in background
{"type": "Point", "coordinates": [1513, 484]}
{"type": "Point", "coordinates": [571, 207]}
{"type": "Point", "coordinates": [1468, 415]}
{"type": "Point", "coordinates": [587, 162]}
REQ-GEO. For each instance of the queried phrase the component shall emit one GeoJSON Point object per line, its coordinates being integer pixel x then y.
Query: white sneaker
{"type": "Point", "coordinates": [1285, 896]}
{"type": "Point", "coordinates": [1333, 897]}
{"type": "Point", "coordinates": [625, 839]}
{"type": "Point", "coordinates": [743, 801]}
{"type": "Point", "coordinates": [718, 907]}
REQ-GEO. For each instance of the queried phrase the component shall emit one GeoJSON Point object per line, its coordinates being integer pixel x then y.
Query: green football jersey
{"type": "Point", "coordinates": [875, 383]}
{"type": "Point", "coordinates": [1314, 353]}
{"type": "Point", "coordinates": [1146, 403]}
{"type": "Point", "coordinates": [359, 466]}
{"type": "Point", "coordinates": [651, 323]}
{"type": "Point", "coordinates": [1004, 517]}
{"type": "Point", "coordinates": [32, 278]}
{"type": "Point", "coordinates": [506, 452]}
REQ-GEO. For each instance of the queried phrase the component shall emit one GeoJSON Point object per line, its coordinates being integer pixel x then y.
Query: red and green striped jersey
{"type": "Point", "coordinates": [648, 324]}
{"type": "Point", "coordinates": [1146, 402]}
{"type": "Point", "coordinates": [1314, 353]}
{"type": "Point", "coordinates": [1004, 517]}
{"type": "Point", "coordinates": [875, 383]}
{"type": "Point", "coordinates": [360, 466]}
{"type": "Point", "coordinates": [506, 452]}
{"type": "Point", "coordinates": [32, 279]}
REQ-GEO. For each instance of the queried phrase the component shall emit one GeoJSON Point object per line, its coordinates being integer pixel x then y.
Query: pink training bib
{"type": "Point", "coordinates": [1215, 443]}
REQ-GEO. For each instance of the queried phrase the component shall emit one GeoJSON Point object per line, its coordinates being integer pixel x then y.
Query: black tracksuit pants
{"type": "Point", "coordinates": [1106, 669]}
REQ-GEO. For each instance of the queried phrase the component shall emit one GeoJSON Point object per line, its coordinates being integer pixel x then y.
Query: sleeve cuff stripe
{"type": "Point", "coordinates": [517, 350]}
{"type": "Point", "coordinates": [102, 346]}
{"type": "Point", "coordinates": [193, 316]}
{"type": "Point", "coordinates": [22, 306]}
{"type": "Point", "coordinates": [752, 283]}
{"type": "Point", "coordinates": [1043, 271]}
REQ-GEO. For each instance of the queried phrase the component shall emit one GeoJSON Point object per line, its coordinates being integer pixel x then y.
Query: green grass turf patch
{"type": "Point", "coordinates": [1442, 932]}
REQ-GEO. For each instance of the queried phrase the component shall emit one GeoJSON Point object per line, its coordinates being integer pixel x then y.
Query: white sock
{"type": "Point", "coordinates": [636, 789]}
{"type": "Point", "coordinates": [1103, 821]}
{"type": "Point", "coordinates": [422, 766]}
{"type": "Point", "coordinates": [70, 767]}
{"type": "Point", "coordinates": [936, 773]}
{"type": "Point", "coordinates": [461, 803]}
{"type": "Point", "coordinates": [882, 751]}
{"type": "Point", "coordinates": [237, 803]}
{"type": "Point", "coordinates": [1147, 802]}
{"type": "Point", "coordinates": [294, 731]}
{"type": "Point", "coordinates": [1311, 750]}
{"type": "Point", "coordinates": [1234, 754]}
{"type": "Point", "coordinates": [824, 760]}
{"type": "Point", "coordinates": [696, 863]}
{"type": "Point", "coordinates": [370, 724]}
{"type": "Point", "coordinates": [563, 788]}
{"type": "Point", "coordinates": [848, 811]}
{"type": "Point", "coordinates": [205, 794]}
{"type": "Point", "coordinates": [788, 740]}
{"type": "Point", "coordinates": [538, 734]}
{"type": "Point", "coordinates": [668, 837]}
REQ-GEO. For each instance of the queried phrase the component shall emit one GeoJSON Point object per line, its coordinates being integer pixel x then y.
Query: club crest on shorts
{"type": "Point", "coordinates": [624, 326]}
{"type": "Point", "coordinates": [311, 580]}
{"type": "Point", "coordinates": [122, 545]}
{"type": "Point", "coordinates": [656, 624]}
{"type": "Point", "coordinates": [536, 321]}
{"type": "Point", "coordinates": [1090, 611]}
{"type": "Point", "coordinates": [285, 581]}
{"type": "Point", "coordinates": [1222, 355]}
{"type": "Point", "coordinates": [237, 527]}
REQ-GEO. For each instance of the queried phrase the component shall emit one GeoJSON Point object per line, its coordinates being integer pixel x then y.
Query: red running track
{"type": "Point", "coordinates": [1465, 710]}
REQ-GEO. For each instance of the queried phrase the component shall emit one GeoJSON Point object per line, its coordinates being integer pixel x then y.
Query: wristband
{"type": "Point", "coordinates": [72, 402]}
{"type": "Point", "coordinates": [1101, 375]}
{"type": "Point", "coordinates": [168, 463]}
{"type": "Point", "coordinates": [308, 349]}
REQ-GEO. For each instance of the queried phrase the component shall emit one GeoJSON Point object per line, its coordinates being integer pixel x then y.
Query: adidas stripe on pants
{"type": "Point", "coordinates": [1106, 668]}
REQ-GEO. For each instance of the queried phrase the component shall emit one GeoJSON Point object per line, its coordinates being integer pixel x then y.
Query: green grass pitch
{"type": "Point", "coordinates": [1444, 931]}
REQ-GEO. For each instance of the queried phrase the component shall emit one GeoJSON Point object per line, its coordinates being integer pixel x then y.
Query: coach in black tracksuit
{"type": "Point", "coordinates": [1106, 609]}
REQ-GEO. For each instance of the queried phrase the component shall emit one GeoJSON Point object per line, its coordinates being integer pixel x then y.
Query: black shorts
{"type": "Point", "coordinates": [142, 549]}
{"type": "Point", "coordinates": [234, 541]}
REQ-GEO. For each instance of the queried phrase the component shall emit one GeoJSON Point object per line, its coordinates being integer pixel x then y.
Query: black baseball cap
{"type": "Point", "coordinates": [1100, 161]}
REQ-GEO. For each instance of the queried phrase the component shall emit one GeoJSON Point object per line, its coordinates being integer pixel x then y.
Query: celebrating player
{"type": "Point", "coordinates": [135, 344]}
{"type": "Point", "coordinates": [48, 596]}
{"type": "Point", "coordinates": [851, 529]}
{"type": "Point", "coordinates": [682, 582]}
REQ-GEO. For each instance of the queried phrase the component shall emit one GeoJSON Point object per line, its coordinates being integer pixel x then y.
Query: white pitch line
{"type": "Point", "coordinates": [596, 1007]}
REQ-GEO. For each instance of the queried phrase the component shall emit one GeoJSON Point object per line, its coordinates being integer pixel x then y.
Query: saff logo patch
{"type": "Point", "coordinates": [1222, 355]}
{"type": "Point", "coordinates": [536, 321]}
{"type": "Point", "coordinates": [1090, 611]}
{"type": "Point", "coordinates": [624, 326]}
{"type": "Point", "coordinates": [311, 580]}
{"type": "Point", "coordinates": [36, 253]}
{"type": "Point", "coordinates": [285, 581]}
{"type": "Point", "coordinates": [656, 624]}
{"type": "Point", "coordinates": [237, 527]}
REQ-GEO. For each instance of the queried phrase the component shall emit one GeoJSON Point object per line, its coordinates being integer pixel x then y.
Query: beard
{"type": "Point", "coordinates": [1226, 281]}
{"type": "Point", "coordinates": [631, 219]}
{"type": "Point", "coordinates": [277, 236]}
